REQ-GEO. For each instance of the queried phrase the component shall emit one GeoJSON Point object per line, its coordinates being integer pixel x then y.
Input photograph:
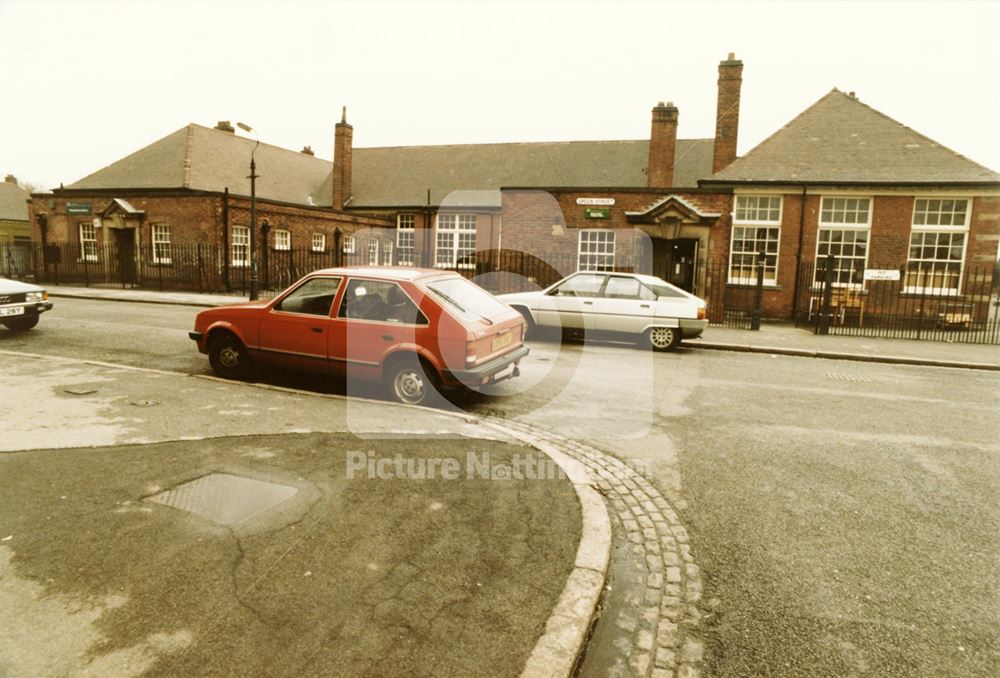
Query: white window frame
{"type": "Point", "coordinates": [406, 229]}
{"type": "Point", "coordinates": [349, 245]}
{"type": "Point", "coordinates": [387, 252]}
{"type": "Point", "coordinates": [452, 240]}
{"type": "Point", "coordinates": [747, 217]}
{"type": "Point", "coordinates": [921, 212]}
{"type": "Point", "coordinates": [852, 226]}
{"type": "Point", "coordinates": [318, 243]}
{"type": "Point", "coordinates": [595, 252]}
{"type": "Point", "coordinates": [159, 236]}
{"type": "Point", "coordinates": [88, 241]}
{"type": "Point", "coordinates": [239, 247]}
{"type": "Point", "coordinates": [373, 251]}
{"type": "Point", "coordinates": [282, 239]}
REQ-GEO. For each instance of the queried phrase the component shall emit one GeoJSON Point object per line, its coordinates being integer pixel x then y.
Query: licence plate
{"type": "Point", "coordinates": [12, 310]}
{"type": "Point", "coordinates": [501, 341]}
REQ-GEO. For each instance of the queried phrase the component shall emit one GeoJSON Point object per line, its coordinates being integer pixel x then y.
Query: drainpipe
{"type": "Point", "coordinates": [798, 255]}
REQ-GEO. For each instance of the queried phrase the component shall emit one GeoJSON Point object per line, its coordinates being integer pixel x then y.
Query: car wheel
{"type": "Point", "coordinates": [663, 338]}
{"type": "Point", "coordinates": [410, 381]}
{"type": "Point", "coordinates": [22, 324]}
{"type": "Point", "coordinates": [228, 357]}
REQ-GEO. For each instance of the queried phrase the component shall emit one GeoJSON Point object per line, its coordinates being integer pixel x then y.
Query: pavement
{"type": "Point", "coordinates": [775, 338]}
{"type": "Point", "coordinates": [154, 523]}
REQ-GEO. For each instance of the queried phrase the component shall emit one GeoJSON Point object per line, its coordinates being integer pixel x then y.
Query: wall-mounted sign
{"type": "Point", "coordinates": [881, 274]}
{"type": "Point", "coordinates": [78, 208]}
{"type": "Point", "coordinates": [595, 201]}
{"type": "Point", "coordinates": [597, 212]}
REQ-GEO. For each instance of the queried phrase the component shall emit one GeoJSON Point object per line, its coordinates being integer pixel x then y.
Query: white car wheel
{"type": "Point", "coordinates": [663, 338]}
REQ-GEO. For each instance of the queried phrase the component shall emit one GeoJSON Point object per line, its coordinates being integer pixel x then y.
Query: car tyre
{"type": "Point", "coordinates": [21, 324]}
{"type": "Point", "coordinates": [229, 357]}
{"type": "Point", "coordinates": [663, 338]}
{"type": "Point", "coordinates": [411, 381]}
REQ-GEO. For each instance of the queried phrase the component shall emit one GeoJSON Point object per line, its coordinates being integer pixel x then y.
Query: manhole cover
{"type": "Point", "coordinates": [80, 391]}
{"type": "Point", "coordinates": [224, 498]}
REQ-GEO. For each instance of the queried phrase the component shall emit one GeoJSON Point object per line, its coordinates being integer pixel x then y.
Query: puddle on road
{"type": "Point", "coordinates": [224, 498]}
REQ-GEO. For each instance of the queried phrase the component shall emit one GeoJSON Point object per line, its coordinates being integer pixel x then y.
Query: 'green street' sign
{"type": "Point", "coordinates": [78, 208]}
{"type": "Point", "coordinates": [597, 212]}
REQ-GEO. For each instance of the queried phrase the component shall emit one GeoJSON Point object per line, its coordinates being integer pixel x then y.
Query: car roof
{"type": "Point", "coordinates": [387, 272]}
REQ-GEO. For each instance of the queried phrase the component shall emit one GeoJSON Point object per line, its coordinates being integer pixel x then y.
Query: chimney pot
{"type": "Point", "coordinates": [10, 179]}
{"type": "Point", "coordinates": [225, 127]}
{"type": "Point", "coordinates": [307, 150]}
{"type": "Point", "coordinates": [732, 56]}
{"type": "Point", "coordinates": [851, 94]}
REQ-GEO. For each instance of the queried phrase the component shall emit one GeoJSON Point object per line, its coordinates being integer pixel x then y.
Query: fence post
{"type": "Point", "coordinates": [758, 299]}
{"type": "Point", "coordinates": [826, 312]}
{"type": "Point", "coordinates": [337, 248]}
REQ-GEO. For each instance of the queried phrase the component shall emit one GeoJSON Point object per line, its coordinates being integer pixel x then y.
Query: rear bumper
{"type": "Point", "coordinates": [692, 329]}
{"type": "Point", "coordinates": [487, 371]}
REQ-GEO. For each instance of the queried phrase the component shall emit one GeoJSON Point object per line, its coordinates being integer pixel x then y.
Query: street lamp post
{"type": "Point", "coordinates": [254, 279]}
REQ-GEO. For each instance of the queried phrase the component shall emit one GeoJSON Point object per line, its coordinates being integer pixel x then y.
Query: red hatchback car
{"type": "Point", "coordinates": [412, 329]}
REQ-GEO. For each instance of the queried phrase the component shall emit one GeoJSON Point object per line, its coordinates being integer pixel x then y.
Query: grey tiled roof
{"type": "Point", "coordinates": [840, 139]}
{"type": "Point", "coordinates": [401, 175]}
{"type": "Point", "coordinates": [203, 158]}
{"type": "Point", "coordinates": [207, 159]}
{"type": "Point", "coordinates": [13, 202]}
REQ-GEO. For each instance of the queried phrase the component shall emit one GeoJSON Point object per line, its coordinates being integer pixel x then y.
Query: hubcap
{"type": "Point", "coordinates": [229, 357]}
{"type": "Point", "coordinates": [661, 337]}
{"type": "Point", "coordinates": [410, 386]}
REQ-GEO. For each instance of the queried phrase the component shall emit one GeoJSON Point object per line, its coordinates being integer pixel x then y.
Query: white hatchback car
{"type": "Point", "coordinates": [645, 307]}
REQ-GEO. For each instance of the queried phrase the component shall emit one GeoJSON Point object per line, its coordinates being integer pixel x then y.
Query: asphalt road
{"type": "Point", "coordinates": [845, 515]}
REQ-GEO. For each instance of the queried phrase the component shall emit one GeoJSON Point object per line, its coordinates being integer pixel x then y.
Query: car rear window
{"type": "Point", "coordinates": [469, 299]}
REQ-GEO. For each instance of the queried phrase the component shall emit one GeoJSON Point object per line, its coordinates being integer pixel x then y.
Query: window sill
{"type": "Point", "coordinates": [766, 287]}
{"type": "Point", "coordinates": [936, 293]}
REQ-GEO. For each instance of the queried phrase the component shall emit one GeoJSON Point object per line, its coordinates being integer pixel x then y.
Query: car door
{"type": "Point", "coordinates": [374, 318]}
{"type": "Point", "coordinates": [570, 304]}
{"type": "Point", "coordinates": [294, 331]}
{"type": "Point", "coordinates": [626, 305]}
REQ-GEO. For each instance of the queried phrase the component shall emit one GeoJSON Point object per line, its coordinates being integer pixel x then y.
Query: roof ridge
{"type": "Point", "coordinates": [519, 143]}
{"type": "Point", "coordinates": [233, 135]}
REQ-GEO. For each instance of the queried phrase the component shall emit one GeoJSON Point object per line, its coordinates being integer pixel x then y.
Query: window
{"type": "Point", "coordinates": [937, 245]}
{"type": "Point", "coordinates": [161, 243]}
{"type": "Point", "coordinates": [405, 239]}
{"type": "Point", "coordinates": [935, 212]}
{"type": "Point", "coordinates": [843, 232]}
{"type": "Point", "coordinates": [373, 252]}
{"type": "Point", "coordinates": [349, 245]}
{"type": "Point", "coordinates": [756, 229]}
{"type": "Point", "coordinates": [379, 301]}
{"type": "Point", "coordinates": [319, 242]}
{"type": "Point", "coordinates": [455, 241]}
{"type": "Point", "coordinates": [88, 241]}
{"type": "Point", "coordinates": [758, 209]}
{"type": "Point", "coordinates": [241, 246]}
{"type": "Point", "coordinates": [585, 285]}
{"type": "Point", "coordinates": [313, 297]}
{"type": "Point", "coordinates": [282, 240]}
{"type": "Point", "coordinates": [596, 250]}
{"type": "Point", "coordinates": [387, 252]}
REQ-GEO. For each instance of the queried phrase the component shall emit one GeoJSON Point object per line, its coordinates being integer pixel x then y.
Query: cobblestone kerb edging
{"type": "Point", "coordinates": [659, 632]}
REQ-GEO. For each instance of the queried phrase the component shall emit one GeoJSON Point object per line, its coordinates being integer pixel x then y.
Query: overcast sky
{"type": "Point", "coordinates": [86, 83]}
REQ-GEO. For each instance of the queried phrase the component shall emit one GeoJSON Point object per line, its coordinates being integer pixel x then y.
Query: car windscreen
{"type": "Point", "coordinates": [467, 298]}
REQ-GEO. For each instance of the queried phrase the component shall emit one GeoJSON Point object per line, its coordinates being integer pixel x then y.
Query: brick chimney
{"type": "Point", "coordinates": [224, 126]}
{"type": "Point", "coordinates": [662, 146]}
{"type": "Point", "coordinates": [727, 112]}
{"type": "Point", "coordinates": [343, 150]}
{"type": "Point", "coordinates": [10, 179]}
